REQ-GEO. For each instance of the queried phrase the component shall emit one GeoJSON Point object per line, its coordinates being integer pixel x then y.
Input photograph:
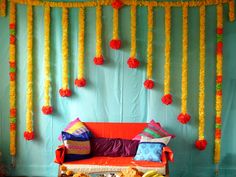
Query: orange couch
{"type": "Point", "coordinates": [113, 164]}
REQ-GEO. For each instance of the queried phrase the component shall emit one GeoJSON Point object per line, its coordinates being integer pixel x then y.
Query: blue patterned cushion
{"type": "Point", "coordinates": [149, 151]}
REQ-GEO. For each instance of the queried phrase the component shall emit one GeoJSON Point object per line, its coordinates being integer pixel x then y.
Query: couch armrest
{"type": "Point", "coordinates": [167, 155]}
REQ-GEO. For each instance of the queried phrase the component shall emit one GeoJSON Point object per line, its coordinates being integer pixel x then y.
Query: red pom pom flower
{"type": "Point", "coordinates": [201, 144]}
{"type": "Point", "coordinates": [184, 118]}
{"type": "Point", "coordinates": [149, 84]}
{"type": "Point", "coordinates": [29, 135]}
{"type": "Point", "coordinates": [167, 99]}
{"type": "Point", "coordinates": [65, 92]}
{"type": "Point", "coordinates": [116, 4]}
{"type": "Point", "coordinates": [98, 60]}
{"type": "Point", "coordinates": [80, 82]}
{"type": "Point", "coordinates": [133, 63]}
{"type": "Point", "coordinates": [115, 44]}
{"type": "Point", "coordinates": [47, 110]}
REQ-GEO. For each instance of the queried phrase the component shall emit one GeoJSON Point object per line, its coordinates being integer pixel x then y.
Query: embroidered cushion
{"type": "Point", "coordinates": [76, 127]}
{"type": "Point", "coordinates": [153, 130]}
{"type": "Point", "coordinates": [77, 146]}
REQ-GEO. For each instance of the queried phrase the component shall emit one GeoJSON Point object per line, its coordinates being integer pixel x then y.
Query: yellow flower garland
{"type": "Point", "coordinates": [231, 10]}
{"type": "Point", "coordinates": [115, 24]}
{"type": "Point", "coordinates": [133, 32]}
{"type": "Point", "coordinates": [3, 8]}
{"type": "Point", "coordinates": [12, 74]}
{"type": "Point", "coordinates": [29, 134]}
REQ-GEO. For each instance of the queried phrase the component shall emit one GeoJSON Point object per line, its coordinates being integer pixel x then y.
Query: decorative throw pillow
{"type": "Point", "coordinates": [76, 127]}
{"type": "Point", "coordinates": [164, 140]}
{"type": "Point", "coordinates": [77, 146]}
{"type": "Point", "coordinates": [153, 130]}
{"type": "Point", "coordinates": [150, 150]}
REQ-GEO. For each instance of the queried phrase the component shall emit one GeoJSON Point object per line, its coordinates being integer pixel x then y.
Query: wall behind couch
{"type": "Point", "coordinates": [116, 93]}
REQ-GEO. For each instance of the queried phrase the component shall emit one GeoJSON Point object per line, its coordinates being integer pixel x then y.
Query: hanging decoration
{"type": "Point", "coordinates": [133, 62]}
{"type": "Point", "coordinates": [47, 108]}
{"type": "Point", "coordinates": [12, 76]}
{"type": "Point", "coordinates": [167, 98]}
{"type": "Point", "coordinates": [98, 59]}
{"type": "Point", "coordinates": [29, 133]}
{"type": "Point", "coordinates": [2, 8]}
{"type": "Point", "coordinates": [184, 117]}
{"type": "Point", "coordinates": [231, 10]}
{"type": "Point", "coordinates": [201, 143]}
{"type": "Point", "coordinates": [81, 81]}
{"type": "Point", "coordinates": [65, 91]}
{"type": "Point", "coordinates": [149, 84]}
{"type": "Point", "coordinates": [219, 78]}
{"type": "Point", "coordinates": [115, 43]}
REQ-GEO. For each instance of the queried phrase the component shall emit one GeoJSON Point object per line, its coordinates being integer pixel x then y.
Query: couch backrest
{"type": "Point", "coordinates": [115, 129]}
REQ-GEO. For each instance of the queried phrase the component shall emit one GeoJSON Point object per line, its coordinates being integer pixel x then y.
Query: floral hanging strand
{"type": "Point", "coordinates": [47, 108]}
{"type": "Point", "coordinates": [231, 10]}
{"type": "Point", "coordinates": [184, 117]}
{"type": "Point", "coordinates": [12, 76]}
{"type": "Point", "coordinates": [149, 84]}
{"type": "Point", "coordinates": [65, 91]}
{"type": "Point", "coordinates": [167, 98]}
{"type": "Point", "coordinates": [201, 143]}
{"type": "Point", "coordinates": [98, 59]}
{"type": "Point", "coordinates": [133, 62]}
{"type": "Point", "coordinates": [115, 43]}
{"type": "Point", "coordinates": [29, 133]}
{"type": "Point", "coordinates": [2, 8]}
{"type": "Point", "coordinates": [219, 78]}
{"type": "Point", "coordinates": [81, 81]}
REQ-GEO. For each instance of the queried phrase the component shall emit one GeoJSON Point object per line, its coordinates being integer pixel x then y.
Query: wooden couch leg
{"type": "Point", "coordinates": [59, 171]}
{"type": "Point", "coordinates": [167, 170]}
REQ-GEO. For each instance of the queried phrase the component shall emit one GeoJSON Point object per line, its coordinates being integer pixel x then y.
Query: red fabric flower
{"type": "Point", "coordinates": [149, 84]}
{"type": "Point", "coordinates": [29, 135]}
{"type": "Point", "coordinates": [47, 110]}
{"type": "Point", "coordinates": [13, 112]}
{"type": "Point", "coordinates": [219, 31]}
{"type": "Point", "coordinates": [12, 26]}
{"type": "Point", "coordinates": [12, 76]}
{"type": "Point", "coordinates": [80, 82]}
{"type": "Point", "coordinates": [12, 39]}
{"type": "Point", "coordinates": [12, 64]}
{"type": "Point", "coordinates": [133, 63]}
{"type": "Point", "coordinates": [115, 44]}
{"type": "Point", "coordinates": [201, 144]}
{"type": "Point", "coordinates": [219, 79]}
{"type": "Point", "coordinates": [65, 92]}
{"type": "Point", "coordinates": [167, 99]}
{"type": "Point", "coordinates": [98, 60]}
{"type": "Point", "coordinates": [184, 118]}
{"type": "Point", "coordinates": [116, 4]}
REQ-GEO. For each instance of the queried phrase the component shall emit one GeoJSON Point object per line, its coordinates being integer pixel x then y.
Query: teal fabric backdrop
{"type": "Point", "coordinates": [116, 93]}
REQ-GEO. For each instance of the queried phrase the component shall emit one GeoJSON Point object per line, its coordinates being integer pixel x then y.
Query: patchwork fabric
{"type": "Point", "coordinates": [76, 127]}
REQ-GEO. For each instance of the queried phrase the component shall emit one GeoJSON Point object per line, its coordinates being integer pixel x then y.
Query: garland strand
{"type": "Point", "coordinates": [65, 91]}
{"type": "Point", "coordinates": [81, 81]}
{"type": "Point", "coordinates": [184, 117]}
{"type": "Point", "coordinates": [115, 43]}
{"type": "Point", "coordinates": [98, 59]}
{"type": "Point", "coordinates": [167, 97]}
{"type": "Point", "coordinates": [47, 108]}
{"type": "Point", "coordinates": [231, 10]}
{"type": "Point", "coordinates": [12, 77]}
{"type": "Point", "coordinates": [29, 133]}
{"type": "Point", "coordinates": [201, 143]}
{"type": "Point", "coordinates": [219, 76]}
{"type": "Point", "coordinates": [2, 8]}
{"type": "Point", "coordinates": [149, 84]}
{"type": "Point", "coordinates": [132, 61]}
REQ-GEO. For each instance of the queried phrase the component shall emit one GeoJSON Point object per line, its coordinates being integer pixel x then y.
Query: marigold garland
{"type": "Point", "coordinates": [12, 77]}
{"type": "Point", "coordinates": [231, 10]}
{"type": "Point", "coordinates": [29, 133]}
{"type": "Point", "coordinates": [65, 91]}
{"type": "Point", "coordinates": [201, 143]}
{"type": "Point", "coordinates": [81, 81]}
{"type": "Point", "coordinates": [98, 59]}
{"type": "Point", "coordinates": [184, 117]}
{"type": "Point", "coordinates": [133, 62]}
{"type": "Point", "coordinates": [2, 7]}
{"type": "Point", "coordinates": [219, 78]}
{"type": "Point", "coordinates": [149, 84]}
{"type": "Point", "coordinates": [167, 97]}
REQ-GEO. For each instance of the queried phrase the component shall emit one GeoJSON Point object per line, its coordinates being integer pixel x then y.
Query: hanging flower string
{"type": "Point", "coordinates": [98, 59]}
{"type": "Point", "coordinates": [81, 81]}
{"type": "Point", "coordinates": [184, 117]}
{"type": "Point", "coordinates": [231, 10]}
{"type": "Point", "coordinates": [219, 78]}
{"type": "Point", "coordinates": [29, 133]}
{"type": "Point", "coordinates": [2, 8]}
{"type": "Point", "coordinates": [12, 76]}
{"type": "Point", "coordinates": [167, 98]}
{"type": "Point", "coordinates": [65, 91]}
{"type": "Point", "coordinates": [115, 43]}
{"type": "Point", "coordinates": [133, 62]}
{"type": "Point", "coordinates": [201, 143]}
{"type": "Point", "coordinates": [47, 108]}
{"type": "Point", "coordinates": [149, 84]}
